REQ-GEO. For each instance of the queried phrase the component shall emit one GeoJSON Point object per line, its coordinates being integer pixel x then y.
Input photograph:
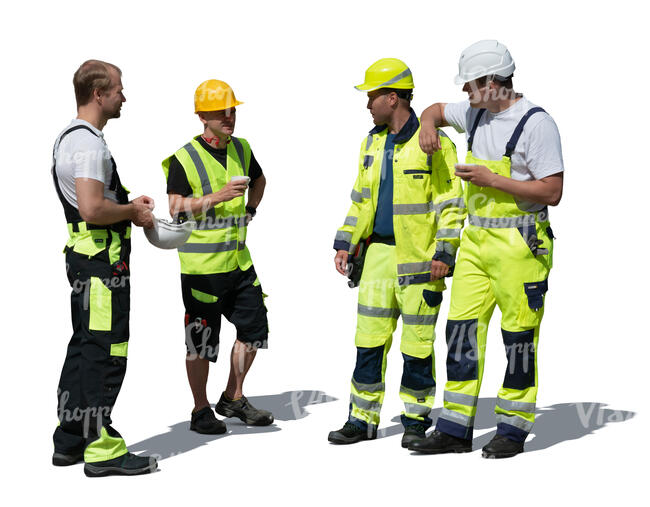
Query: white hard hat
{"type": "Point", "coordinates": [167, 235]}
{"type": "Point", "coordinates": [484, 58]}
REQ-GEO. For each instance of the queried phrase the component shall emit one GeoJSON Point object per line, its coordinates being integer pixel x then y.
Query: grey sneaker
{"type": "Point", "coordinates": [243, 409]}
{"type": "Point", "coordinates": [63, 460]}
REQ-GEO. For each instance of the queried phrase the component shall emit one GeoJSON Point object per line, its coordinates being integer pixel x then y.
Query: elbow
{"type": "Point", "coordinates": [555, 198]}
{"type": "Point", "coordinates": [90, 214]}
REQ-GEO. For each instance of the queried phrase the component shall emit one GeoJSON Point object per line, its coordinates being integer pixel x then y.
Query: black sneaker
{"type": "Point", "coordinates": [351, 434]}
{"type": "Point", "coordinates": [127, 464]}
{"type": "Point", "coordinates": [502, 447]}
{"type": "Point", "coordinates": [412, 433]}
{"type": "Point", "coordinates": [206, 423]}
{"type": "Point", "coordinates": [440, 443]}
{"type": "Point", "coordinates": [63, 460]}
{"type": "Point", "coordinates": [243, 409]}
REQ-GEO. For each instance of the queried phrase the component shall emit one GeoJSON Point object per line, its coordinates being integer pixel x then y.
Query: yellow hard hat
{"type": "Point", "coordinates": [387, 73]}
{"type": "Point", "coordinates": [214, 95]}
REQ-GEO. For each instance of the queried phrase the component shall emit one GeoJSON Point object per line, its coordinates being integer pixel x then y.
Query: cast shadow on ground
{"type": "Point", "coordinates": [553, 425]}
{"type": "Point", "coordinates": [287, 406]}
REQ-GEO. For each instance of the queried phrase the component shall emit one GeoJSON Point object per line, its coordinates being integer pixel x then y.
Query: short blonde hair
{"type": "Point", "coordinates": [92, 75]}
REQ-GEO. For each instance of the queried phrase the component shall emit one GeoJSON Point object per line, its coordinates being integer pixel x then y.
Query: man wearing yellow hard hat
{"type": "Point", "coordinates": [207, 180]}
{"type": "Point", "coordinates": [406, 216]}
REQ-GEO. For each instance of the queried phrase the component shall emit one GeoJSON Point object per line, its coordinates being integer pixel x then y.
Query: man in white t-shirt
{"type": "Point", "coordinates": [99, 217]}
{"type": "Point", "coordinates": [514, 170]}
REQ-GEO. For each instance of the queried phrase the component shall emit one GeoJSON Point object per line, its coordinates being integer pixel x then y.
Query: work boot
{"type": "Point", "coordinates": [412, 433]}
{"type": "Point", "coordinates": [351, 434]}
{"type": "Point", "coordinates": [440, 443]}
{"type": "Point", "coordinates": [502, 447]}
{"type": "Point", "coordinates": [127, 464]}
{"type": "Point", "coordinates": [206, 423]}
{"type": "Point", "coordinates": [243, 409]}
{"type": "Point", "coordinates": [63, 460]}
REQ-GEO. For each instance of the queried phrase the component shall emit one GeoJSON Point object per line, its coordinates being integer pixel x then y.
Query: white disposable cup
{"type": "Point", "coordinates": [240, 178]}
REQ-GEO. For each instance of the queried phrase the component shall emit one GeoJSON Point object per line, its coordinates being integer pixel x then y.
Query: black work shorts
{"type": "Point", "coordinates": [236, 295]}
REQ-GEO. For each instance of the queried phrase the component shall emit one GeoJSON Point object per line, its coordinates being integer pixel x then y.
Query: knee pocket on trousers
{"type": "Point", "coordinates": [100, 306]}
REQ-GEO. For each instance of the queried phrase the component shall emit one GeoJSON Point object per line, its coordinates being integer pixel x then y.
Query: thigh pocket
{"type": "Point", "coordinates": [532, 304]}
{"type": "Point", "coordinates": [100, 306]}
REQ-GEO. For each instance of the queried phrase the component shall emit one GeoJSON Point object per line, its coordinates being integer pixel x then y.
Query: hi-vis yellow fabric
{"type": "Point", "coordinates": [218, 244]}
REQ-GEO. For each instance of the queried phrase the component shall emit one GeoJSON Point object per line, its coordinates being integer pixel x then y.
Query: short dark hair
{"type": "Point", "coordinates": [406, 94]}
{"type": "Point", "coordinates": [92, 75]}
{"type": "Point", "coordinates": [506, 82]}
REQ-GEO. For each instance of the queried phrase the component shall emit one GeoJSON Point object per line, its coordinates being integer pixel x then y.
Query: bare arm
{"type": "Point", "coordinates": [96, 209]}
{"type": "Point", "coordinates": [543, 191]}
{"type": "Point", "coordinates": [256, 192]}
{"type": "Point", "coordinates": [432, 118]}
{"type": "Point", "coordinates": [199, 205]}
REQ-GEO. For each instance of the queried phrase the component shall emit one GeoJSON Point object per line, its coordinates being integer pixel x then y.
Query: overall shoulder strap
{"type": "Point", "coordinates": [472, 131]}
{"type": "Point", "coordinates": [510, 147]}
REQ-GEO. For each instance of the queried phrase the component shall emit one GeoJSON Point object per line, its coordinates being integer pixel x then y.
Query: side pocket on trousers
{"type": "Point", "coordinates": [100, 306]}
{"type": "Point", "coordinates": [532, 304]}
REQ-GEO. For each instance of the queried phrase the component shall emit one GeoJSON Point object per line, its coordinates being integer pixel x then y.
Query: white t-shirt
{"type": "Point", "coordinates": [82, 155]}
{"type": "Point", "coordinates": [538, 153]}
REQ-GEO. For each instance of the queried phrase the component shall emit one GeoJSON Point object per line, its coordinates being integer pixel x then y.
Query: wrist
{"type": "Point", "coordinates": [251, 210]}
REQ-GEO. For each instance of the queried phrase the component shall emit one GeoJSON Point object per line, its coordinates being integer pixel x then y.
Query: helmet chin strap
{"type": "Point", "coordinates": [216, 139]}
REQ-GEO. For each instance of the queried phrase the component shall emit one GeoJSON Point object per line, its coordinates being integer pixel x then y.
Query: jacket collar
{"type": "Point", "coordinates": [407, 131]}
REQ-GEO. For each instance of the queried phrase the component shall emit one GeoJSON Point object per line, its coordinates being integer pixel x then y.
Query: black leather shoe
{"type": "Point", "coordinates": [127, 464]}
{"type": "Point", "coordinates": [412, 433]}
{"type": "Point", "coordinates": [243, 409]}
{"type": "Point", "coordinates": [205, 422]}
{"type": "Point", "coordinates": [351, 434]}
{"type": "Point", "coordinates": [502, 447]}
{"type": "Point", "coordinates": [440, 443]}
{"type": "Point", "coordinates": [63, 460]}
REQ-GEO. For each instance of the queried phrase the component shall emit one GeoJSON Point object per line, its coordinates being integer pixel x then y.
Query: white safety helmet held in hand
{"type": "Point", "coordinates": [165, 234]}
{"type": "Point", "coordinates": [484, 58]}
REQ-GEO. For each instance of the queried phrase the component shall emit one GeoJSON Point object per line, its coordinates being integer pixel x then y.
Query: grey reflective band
{"type": "Point", "coordinates": [413, 209]}
{"type": "Point", "coordinates": [208, 247]}
{"type": "Point", "coordinates": [410, 268]}
{"type": "Point", "coordinates": [379, 387]}
{"type": "Point", "coordinates": [372, 406]}
{"type": "Point", "coordinates": [365, 193]}
{"type": "Point", "coordinates": [375, 311]}
{"type": "Point", "coordinates": [515, 421]}
{"type": "Point", "coordinates": [241, 245]}
{"type": "Point", "coordinates": [200, 168]}
{"type": "Point", "coordinates": [460, 399]}
{"type": "Point", "coordinates": [368, 142]}
{"type": "Point", "coordinates": [458, 418]}
{"type": "Point", "coordinates": [421, 410]}
{"type": "Point", "coordinates": [516, 406]}
{"type": "Point", "coordinates": [447, 233]}
{"type": "Point", "coordinates": [418, 394]}
{"type": "Point", "coordinates": [399, 76]}
{"type": "Point", "coordinates": [501, 222]}
{"type": "Point", "coordinates": [211, 224]}
{"type": "Point", "coordinates": [445, 246]}
{"type": "Point", "coordinates": [350, 221]}
{"type": "Point", "coordinates": [456, 202]}
{"type": "Point", "coordinates": [240, 153]}
{"type": "Point", "coordinates": [419, 320]}
{"type": "Point", "coordinates": [343, 236]}
{"type": "Point", "coordinates": [355, 196]}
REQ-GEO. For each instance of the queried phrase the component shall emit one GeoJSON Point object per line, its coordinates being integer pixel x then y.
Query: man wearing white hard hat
{"type": "Point", "coordinates": [207, 179]}
{"type": "Point", "coordinates": [513, 172]}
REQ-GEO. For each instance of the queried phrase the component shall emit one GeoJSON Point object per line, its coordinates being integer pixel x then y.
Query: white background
{"type": "Point", "coordinates": [294, 65]}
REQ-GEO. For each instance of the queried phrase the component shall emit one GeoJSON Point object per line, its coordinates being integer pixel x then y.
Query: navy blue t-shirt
{"type": "Point", "coordinates": [384, 214]}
